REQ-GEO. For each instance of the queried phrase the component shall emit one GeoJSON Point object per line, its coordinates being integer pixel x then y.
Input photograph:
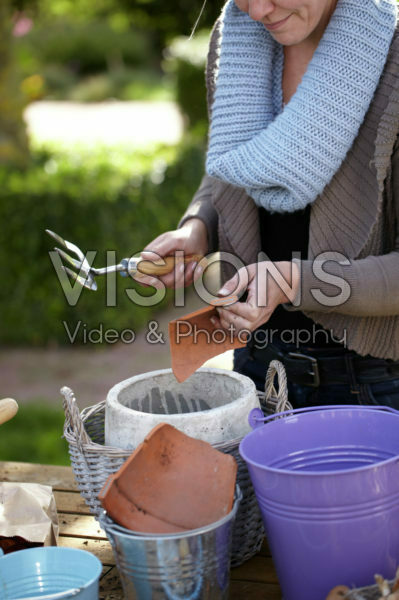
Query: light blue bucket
{"type": "Point", "coordinates": [49, 573]}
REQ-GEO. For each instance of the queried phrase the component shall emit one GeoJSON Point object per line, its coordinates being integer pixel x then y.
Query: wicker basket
{"type": "Point", "coordinates": [92, 461]}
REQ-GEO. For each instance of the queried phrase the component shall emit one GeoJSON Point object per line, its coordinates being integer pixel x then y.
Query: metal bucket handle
{"type": "Point", "coordinates": [256, 417]}
{"type": "Point", "coordinates": [58, 596]}
{"type": "Point", "coordinates": [170, 595]}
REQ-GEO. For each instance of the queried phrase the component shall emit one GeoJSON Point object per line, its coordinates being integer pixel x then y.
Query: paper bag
{"type": "Point", "coordinates": [28, 516]}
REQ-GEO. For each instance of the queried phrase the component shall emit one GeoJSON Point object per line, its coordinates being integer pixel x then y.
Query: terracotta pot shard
{"type": "Point", "coordinates": [193, 341]}
{"type": "Point", "coordinates": [171, 483]}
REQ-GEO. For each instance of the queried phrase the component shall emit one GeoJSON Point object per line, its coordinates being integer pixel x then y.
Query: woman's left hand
{"type": "Point", "coordinates": [268, 284]}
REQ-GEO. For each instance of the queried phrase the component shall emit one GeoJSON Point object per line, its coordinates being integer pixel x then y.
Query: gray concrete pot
{"type": "Point", "coordinates": [212, 405]}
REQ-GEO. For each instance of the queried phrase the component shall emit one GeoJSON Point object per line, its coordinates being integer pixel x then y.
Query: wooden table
{"type": "Point", "coordinates": [255, 580]}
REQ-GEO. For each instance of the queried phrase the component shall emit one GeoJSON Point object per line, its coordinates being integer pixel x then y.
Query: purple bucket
{"type": "Point", "coordinates": [327, 483]}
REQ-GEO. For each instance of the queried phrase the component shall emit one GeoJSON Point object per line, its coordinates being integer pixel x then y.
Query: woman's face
{"type": "Point", "coordinates": [291, 22]}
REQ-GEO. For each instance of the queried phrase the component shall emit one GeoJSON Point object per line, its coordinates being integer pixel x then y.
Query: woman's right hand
{"type": "Point", "coordinates": [192, 238]}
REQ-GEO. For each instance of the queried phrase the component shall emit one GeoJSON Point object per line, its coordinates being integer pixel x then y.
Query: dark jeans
{"type": "Point", "coordinates": [381, 393]}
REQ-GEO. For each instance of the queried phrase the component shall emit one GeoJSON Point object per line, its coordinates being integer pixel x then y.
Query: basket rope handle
{"type": "Point", "coordinates": [281, 397]}
{"type": "Point", "coordinates": [72, 416]}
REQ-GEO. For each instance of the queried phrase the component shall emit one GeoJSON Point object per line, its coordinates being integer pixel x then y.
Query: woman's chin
{"type": "Point", "coordinates": [286, 38]}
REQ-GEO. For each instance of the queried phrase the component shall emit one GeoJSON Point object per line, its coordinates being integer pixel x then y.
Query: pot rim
{"type": "Point", "coordinates": [104, 519]}
{"type": "Point", "coordinates": [248, 390]}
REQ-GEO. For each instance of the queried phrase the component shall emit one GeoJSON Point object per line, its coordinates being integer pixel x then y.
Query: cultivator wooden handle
{"type": "Point", "coordinates": [8, 409]}
{"type": "Point", "coordinates": [165, 265]}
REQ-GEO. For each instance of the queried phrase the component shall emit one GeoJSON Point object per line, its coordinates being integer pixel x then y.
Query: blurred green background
{"type": "Point", "coordinates": [100, 196]}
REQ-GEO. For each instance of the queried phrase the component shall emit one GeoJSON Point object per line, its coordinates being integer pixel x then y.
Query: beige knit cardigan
{"type": "Point", "coordinates": [357, 215]}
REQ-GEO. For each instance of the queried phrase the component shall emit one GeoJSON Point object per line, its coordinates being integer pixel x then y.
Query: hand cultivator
{"type": "Point", "coordinates": [83, 273]}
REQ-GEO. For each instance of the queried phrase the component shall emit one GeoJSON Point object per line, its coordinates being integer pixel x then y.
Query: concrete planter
{"type": "Point", "coordinates": [212, 405]}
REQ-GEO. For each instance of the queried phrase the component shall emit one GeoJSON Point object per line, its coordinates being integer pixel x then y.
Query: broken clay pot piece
{"type": "Point", "coordinates": [171, 483]}
{"type": "Point", "coordinates": [193, 339]}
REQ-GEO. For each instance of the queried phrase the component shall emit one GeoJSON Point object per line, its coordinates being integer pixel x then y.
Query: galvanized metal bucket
{"type": "Point", "coordinates": [192, 565]}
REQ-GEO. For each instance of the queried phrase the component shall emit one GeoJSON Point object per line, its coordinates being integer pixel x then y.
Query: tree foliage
{"type": "Point", "coordinates": [164, 20]}
{"type": "Point", "coordinates": [170, 19]}
{"type": "Point", "coordinates": [13, 140]}
{"type": "Point", "coordinates": [160, 21]}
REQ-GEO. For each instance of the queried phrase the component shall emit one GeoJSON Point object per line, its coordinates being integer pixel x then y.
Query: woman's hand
{"type": "Point", "coordinates": [268, 284]}
{"type": "Point", "coordinates": [192, 238]}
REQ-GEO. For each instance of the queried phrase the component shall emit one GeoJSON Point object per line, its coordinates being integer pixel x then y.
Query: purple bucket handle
{"type": "Point", "coordinates": [256, 417]}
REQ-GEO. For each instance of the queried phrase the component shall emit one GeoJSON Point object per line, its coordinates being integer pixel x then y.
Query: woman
{"type": "Point", "coordinates": [303, 165]}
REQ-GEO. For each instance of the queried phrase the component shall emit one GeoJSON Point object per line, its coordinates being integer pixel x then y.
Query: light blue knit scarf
{"type": "Point", "coordinates": [285, 158]}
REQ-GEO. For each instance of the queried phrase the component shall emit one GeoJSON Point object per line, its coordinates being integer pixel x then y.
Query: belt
{"type": "Point", "coordinates": [318, 366]}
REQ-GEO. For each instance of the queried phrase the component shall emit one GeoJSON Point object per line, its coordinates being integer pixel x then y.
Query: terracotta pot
{"type": "Point", "coordinates": [171, 483]}
{"type": "Point", "coordinates": [189, 352]}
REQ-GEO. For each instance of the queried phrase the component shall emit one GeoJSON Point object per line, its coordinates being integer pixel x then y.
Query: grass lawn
{"type": "Point", "coordinates": [35, 435]}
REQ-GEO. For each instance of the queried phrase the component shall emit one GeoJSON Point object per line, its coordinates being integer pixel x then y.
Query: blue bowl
{"type": "Point", "coordinates": [50, 573]}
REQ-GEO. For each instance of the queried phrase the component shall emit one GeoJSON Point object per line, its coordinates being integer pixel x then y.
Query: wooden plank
{"type": "Point", "coordinates": [106, 571]}
{"type": "Point", "coordinates": [60, 478]}
{"type": "Point", "coordinates": [259, 569]}
{"type": "Point", "coordinates": [101, 548]}
{"type": "Point", "coordinates": [106, 595]}
{"type": "Point", "coordinates": [256, 579]}
{"type": "Point", "coordinates": [71, 502]}
{"type": "Point", "coordinates": [241, 590]}
{"type": "Point", "coordinates": [111, 586]}
{"type": "Point", "coordinates": [83, 526]}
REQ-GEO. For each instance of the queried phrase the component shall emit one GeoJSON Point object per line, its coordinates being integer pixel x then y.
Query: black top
{"type": "Point", "coordinates": [281, 235]}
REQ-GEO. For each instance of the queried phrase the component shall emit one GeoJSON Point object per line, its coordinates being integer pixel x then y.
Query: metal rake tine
{"type": "Point", "coordinates": [76, 264]}
{"type": "Point", "coordinates": [68, 245]}
{"type": "Point", "coordinates": [88, 283]}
